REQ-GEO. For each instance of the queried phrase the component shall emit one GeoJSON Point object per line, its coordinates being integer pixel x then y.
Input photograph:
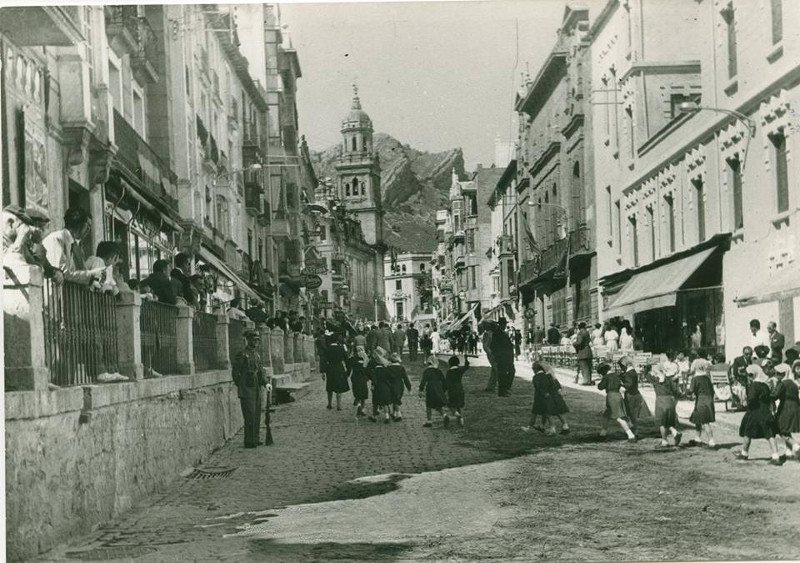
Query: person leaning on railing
{"type": "Point", "coordinates": [106, 258]}
{"type": "Point", "coordinates": [160, 283]}
{"type": "Point", "coordinates": [63, 249]}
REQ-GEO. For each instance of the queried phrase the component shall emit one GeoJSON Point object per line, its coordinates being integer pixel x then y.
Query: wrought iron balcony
{"type": "Point", "coordinates": [130, 32]}
{"type": "Point", "coordinates": [144, 57]}
{"type": "Point", "coordinates": [506, 245]}
{"type": "Point", "coordinates": [280, 228]}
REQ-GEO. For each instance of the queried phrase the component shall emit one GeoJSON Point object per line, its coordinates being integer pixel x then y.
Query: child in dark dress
{"type": "Point", "coordinates": [455, 388]}
{"type": "Point", "coordinates": [433, 387]}
{"type": "Point", "coordinates": [666, 393]}
{"type": "Point", "coordinates": [359, 378]}
{"type": "Point", "coordinates": [399, 379]}
{"type": "Point", "coordinates": [381, 385]}
{"type": "Point", "coordinates": [758, 422]}
{"type": "Point", "coordinates": [703, 392]}
{"type": "Point", "coordinates": [547, 401]}
{"type": "Point", "coordinates": [787, 417]}
{"type": "Point", "coordinates": [615, 409]}
{"type": "Point", "coordinates": [635, 407]}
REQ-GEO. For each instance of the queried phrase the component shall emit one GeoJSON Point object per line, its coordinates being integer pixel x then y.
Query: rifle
{"type": "Point", "coordinates": [267, 418]}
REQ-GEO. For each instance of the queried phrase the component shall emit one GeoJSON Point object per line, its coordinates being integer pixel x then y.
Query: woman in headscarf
{"type": "Point", "coordinates": [787, 417]}
{"type": "Point", "coordinates": [381, 385]}
{"type": "Point", "coordinates": [335, 369]}
{"type": "Point", "coordinates": [758, 422]}
{"type": "Point", "coordinates": [359, 376]}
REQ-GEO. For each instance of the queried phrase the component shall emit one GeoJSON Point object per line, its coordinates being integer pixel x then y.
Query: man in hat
{"type": "Point", "coordinates": [583, 354]}
{"type": "Point", "coordinates": [39, 223]}
{"type": "Point", "coordinates": [249, 377]}
{"type": "Point", "coordinates": [16, 233]}
{"type": "Point", "coordinates": [503, 352]}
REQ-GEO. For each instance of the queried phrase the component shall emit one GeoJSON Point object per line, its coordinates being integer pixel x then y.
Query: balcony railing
{"type": "Point", "coordinates": [145, 55]}
{"type": "Point", "coordinates": [280, 227]}
{"type": "Point", "coordinates": [159, 326]}
{"type": "Point", "coordinates": [80, 330]}
{"type": "Point", "coordinates": [505, 245]}
{"type": "Point", "coordinates": [204, 336]}
{"type": "Point", "coordinates": [141, 160]}
{"type": "Point", "coordinates": [579, 241]}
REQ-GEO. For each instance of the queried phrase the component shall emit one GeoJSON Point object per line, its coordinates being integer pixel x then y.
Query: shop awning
{"type": "Point", "coordinates": [783, 285]}
{"type": "Point", "coordinates": [657, 287]}
{"type": "Point", "coordinates": [225, 270]}
{"type": "Point", "coordinates": [456, 325]}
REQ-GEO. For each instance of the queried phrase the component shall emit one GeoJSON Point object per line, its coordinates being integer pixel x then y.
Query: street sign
{"type": "Point", "coordinates": [312, 281]}
{"type": "Point", "coordinates": [315, 267]}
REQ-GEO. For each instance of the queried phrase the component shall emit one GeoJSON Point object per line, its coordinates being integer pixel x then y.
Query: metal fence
{"type": "Point", "coordinates": [204, 334]}
{"type": "Point", "coordinates": [159, 324]}
{"type": "Point", "coordinates": [80, 329]}
{"type": "Point", "coordinates": [236, 330]}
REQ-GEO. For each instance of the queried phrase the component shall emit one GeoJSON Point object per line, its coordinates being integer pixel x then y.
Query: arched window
{"type": "Point", "coordinates": [577, 196]}
{"type": "Point", "coordinates": [422, 267]}
{"type": "Point", "coordinates": [347, 189]}
{"type": "Point", "coordinates": [354, 143]}
{"type": "Point", "coordinates": [403, 268]}
{"type": "Point", "coordinates": [355, 186]}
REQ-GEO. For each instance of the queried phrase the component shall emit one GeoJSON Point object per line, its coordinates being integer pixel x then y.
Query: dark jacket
{"type": "Point", "coordinates": [182, 286]}
{"type": "Point", "coordinates": [553, 336]}
{"type": "Point", "coordinates": [162, 287]}
{"type": "Point", "coordinates": [582, 348]}
{"type": "Point", "coordinates": [502, 348]}
{"type": "Point", "coordinates": [248, 373]}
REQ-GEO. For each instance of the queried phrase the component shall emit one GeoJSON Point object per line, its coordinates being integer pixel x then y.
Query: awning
{"type": "Point", "coordinates": [456, 325]}
{"type": "Point", "coordinates": [225, 270]}
{"type": "Point", "coordinates": [657, 287]}
{"type": "Point", "coordinates": [783, 285]}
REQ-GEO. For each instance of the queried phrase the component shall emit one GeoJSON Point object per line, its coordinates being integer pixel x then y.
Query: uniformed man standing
{"type": "Point", "coordinates": [249, 377]}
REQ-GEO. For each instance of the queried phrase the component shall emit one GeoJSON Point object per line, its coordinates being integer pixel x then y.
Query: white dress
{"type": "Point", "coordinates": [611, 337]}
{"type": "Point", "coordinates": [435, 342]}
{"type": "Point", "coordinates": [625, 341]}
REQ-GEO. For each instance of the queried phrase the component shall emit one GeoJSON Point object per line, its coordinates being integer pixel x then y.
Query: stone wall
{"type": "Point", "coordinates": [77, 457]}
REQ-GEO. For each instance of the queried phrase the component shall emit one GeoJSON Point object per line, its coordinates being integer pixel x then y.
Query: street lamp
{"type": "Point", "coordinates": [694, 107]}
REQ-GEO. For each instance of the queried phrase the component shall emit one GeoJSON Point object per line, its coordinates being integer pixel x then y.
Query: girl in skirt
{"type": "Point", "coordinates": [703, 391]}
{"type": "Point", "coordinates": [615, 410]}
{"type": "Point", "coordinates": [399, 378]}
{"type": "Point", "coordinates": [381, 386]}
{"type": "Point", "coordinates": [455, 388]}
{"type": "Point", "coordinates": [359, 378]}
{"type": "Point", "coordinates": [788, 415]}
{"type": "Point", "coordinates": [666, 392]}
{"type": "Point", "coordinates": [635, 406]}
{"type": "Point", "coordinates": [758, 422]}
{"type": "Point", "coordinates": [433, 387]}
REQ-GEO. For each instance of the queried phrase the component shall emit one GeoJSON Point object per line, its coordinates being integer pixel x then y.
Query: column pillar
{"type": "Point", "coordinates": [185, 340]}
{"type": "Point", "coordinates": [129, 334]}
{"type": "Point", "coordinates": [265, 344]}
{"type": "Point", "coordinates": [297, 347]}
{"type": "Point", "coordinates": [288, 348]}
{"type": "Point", "coordinates": [223, 341]}
{"type": "Point", "coordinates": [276, 351]}
{"type": "Point", "coordinates": [23, 324]}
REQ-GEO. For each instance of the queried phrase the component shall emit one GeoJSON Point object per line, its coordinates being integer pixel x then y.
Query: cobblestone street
{"type": "Point", "coordinates": [332, 487]}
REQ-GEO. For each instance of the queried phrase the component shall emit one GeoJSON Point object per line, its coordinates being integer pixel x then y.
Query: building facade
{"type": "Point", "coordinates": [555, 184]}
{"type": "Point", "coordinates": [408, 288]}
{"type": "Point", "coordinates": [696, 189]}
{"type": "Point", "coordinates": [503, 252]}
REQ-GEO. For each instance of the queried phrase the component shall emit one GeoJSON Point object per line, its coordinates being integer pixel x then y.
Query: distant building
{"type": "Point", "coordinates": [503, 251]}
{"type": "Point", "coordinates": [407, 287]}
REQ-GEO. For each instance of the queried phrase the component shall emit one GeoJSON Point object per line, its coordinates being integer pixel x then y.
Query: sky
{"type": "Point", "coordinates": [434, 75]}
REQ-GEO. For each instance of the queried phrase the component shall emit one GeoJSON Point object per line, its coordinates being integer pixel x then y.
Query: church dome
{"type": "Point", "coordinates": [357, 116]}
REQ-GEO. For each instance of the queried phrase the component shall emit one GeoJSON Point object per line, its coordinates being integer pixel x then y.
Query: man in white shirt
{"type": "Point", "coordinates": [63, 248]}
{"type": "Point", "coordinates": [759, 337]}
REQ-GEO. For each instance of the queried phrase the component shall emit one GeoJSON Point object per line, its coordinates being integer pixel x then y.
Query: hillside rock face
{"type": "Point", "coordinates": [414, 185]}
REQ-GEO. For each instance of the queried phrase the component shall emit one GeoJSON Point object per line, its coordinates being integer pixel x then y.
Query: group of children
{"type": "Point", "coordinates": [383, 374]}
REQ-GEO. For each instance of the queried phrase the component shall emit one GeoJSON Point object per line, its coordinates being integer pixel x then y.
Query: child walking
{"type": "Point", "coordinates": [455, 387]}
{"type": "Point", "coordinates": [615, 410]}
{"type": "Point", "coordinates": [433, 385]}
{"type": "Point", "coordinates": [788, 415]}
{"type": "Point", "coordinates": [381, 386]}
{"type": "Point", "coordinates": [547, 401]}
{"type": "Point", "coordinates": [634, 403]}
{"type": "Point", "coordinates": [399, 379]}
{"type": "Point", "coordinates": [359, 377]}
{"type": "Point", "coordinates": [666, 415]}
{"type": "Point", "coordinates": [703, 391]}
{"type": "Point", "coordinates": [758, 422]}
